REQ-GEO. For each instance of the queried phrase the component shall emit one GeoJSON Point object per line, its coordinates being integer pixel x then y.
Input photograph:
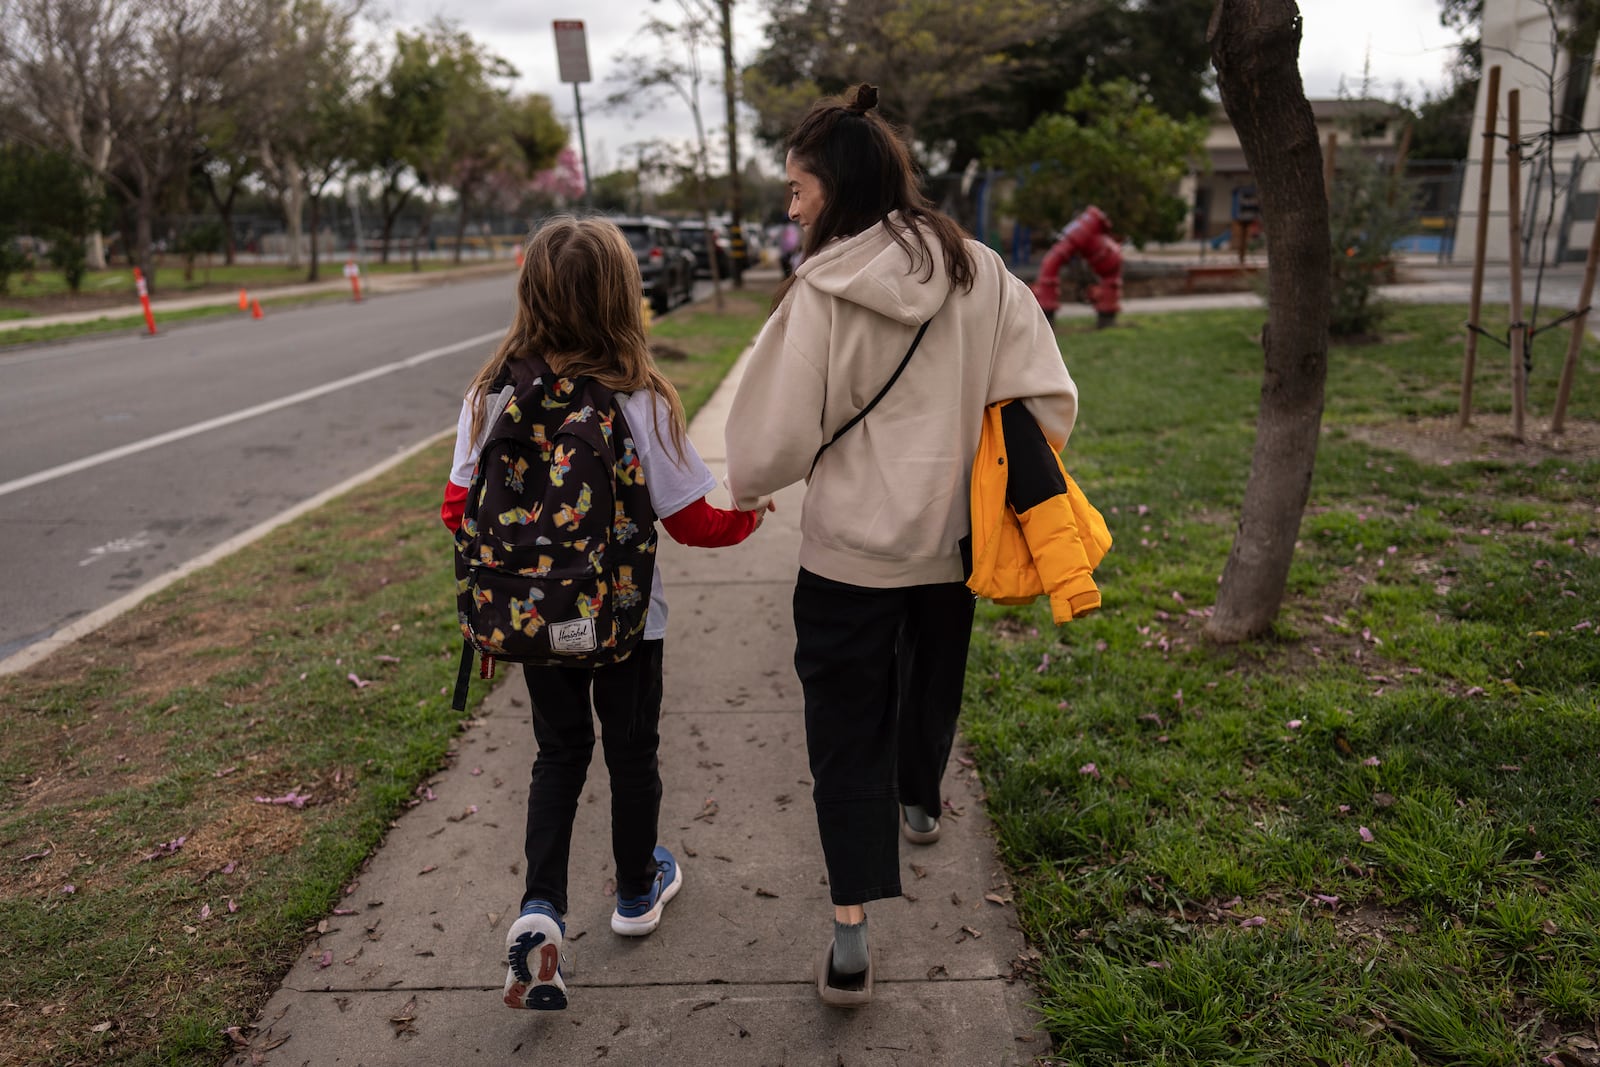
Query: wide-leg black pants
{"type": "Point", "coordinates": [881, 670]}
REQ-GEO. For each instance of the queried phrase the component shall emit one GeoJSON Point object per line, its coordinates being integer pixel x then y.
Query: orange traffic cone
{"type": "Point", "coordinates": [255, 309]}
{"type": "Point", "coordinates": [244, 300]}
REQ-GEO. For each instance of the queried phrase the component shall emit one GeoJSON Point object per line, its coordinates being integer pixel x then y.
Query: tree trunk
{"type": "Point", "coordinates": [144, 238]}
{"type": "Point", "coordinates": [1255, 48]}
{"type": "Point", "coordinates": [293, 207]}
{"type": "Point", "coordinates": [316, 224]}
{"type": "Point", "coordinates": [730, 87]}
{"type": "Point", "coordinates": [461, 223]}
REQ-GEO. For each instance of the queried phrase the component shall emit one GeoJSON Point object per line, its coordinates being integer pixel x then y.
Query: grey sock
{"type": "Point", "coordinates": [919, 820]}
{"type": "Point", "coordinates": [849, 947]}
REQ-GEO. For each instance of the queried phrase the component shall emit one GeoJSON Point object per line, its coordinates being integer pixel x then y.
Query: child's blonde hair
{"type": "Point", "coordinates": [579, 307]}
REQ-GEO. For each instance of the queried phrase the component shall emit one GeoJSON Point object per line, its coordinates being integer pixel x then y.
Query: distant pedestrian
{"type": "Point", "coordinates": [789, 241]}
{"type": "Point", "coordinates": [578, 315]}
{"type": "Point", "coordinates": [882, 616]}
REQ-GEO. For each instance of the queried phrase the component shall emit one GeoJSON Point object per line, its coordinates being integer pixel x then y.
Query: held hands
{"type": "Point", "coordinates": [764, 505]}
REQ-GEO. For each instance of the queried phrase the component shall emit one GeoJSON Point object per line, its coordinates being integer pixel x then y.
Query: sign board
{"type": "Point", "coordinates": [572, 50]}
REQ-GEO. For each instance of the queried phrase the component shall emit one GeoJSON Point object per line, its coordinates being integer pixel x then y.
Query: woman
{"type": "Point", "coordinates": [881, 614]}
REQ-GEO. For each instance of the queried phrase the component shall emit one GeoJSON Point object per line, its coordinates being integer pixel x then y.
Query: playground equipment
{"type": "Point", "coordinates": [1089, 236]}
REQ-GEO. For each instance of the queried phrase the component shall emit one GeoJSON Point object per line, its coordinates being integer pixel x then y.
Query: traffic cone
{"type": "Point", "coordinates": [255, 309]}
{"type": "Point", "coordinates": [244, 299]}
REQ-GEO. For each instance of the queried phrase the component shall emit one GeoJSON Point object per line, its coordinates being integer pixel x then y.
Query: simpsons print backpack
{"type": "Point", "coordinates": [557, 547]}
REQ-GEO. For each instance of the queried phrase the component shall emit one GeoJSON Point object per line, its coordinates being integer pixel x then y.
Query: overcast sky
{"type": "Point", "coordinates": [1408, 51]}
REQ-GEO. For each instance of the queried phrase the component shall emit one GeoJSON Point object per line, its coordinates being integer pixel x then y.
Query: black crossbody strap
{"type": "Point", "coordinates": [858, 416]}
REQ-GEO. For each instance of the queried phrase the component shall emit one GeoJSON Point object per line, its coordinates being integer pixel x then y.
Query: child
{"type": "Point", "coordinates": [578, 307]}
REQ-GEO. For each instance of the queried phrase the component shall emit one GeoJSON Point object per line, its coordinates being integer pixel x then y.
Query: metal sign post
{"type": "Point", "coordinates": [572, 59]}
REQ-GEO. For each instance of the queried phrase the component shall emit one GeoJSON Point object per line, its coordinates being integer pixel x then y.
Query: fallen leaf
{"type": "Point", "coordinates": [429, 869]}
{"type": "Point", "coordinates": [996, 898]}
{"type": "Point", "coordinates": [766, 893]}
{"type": "Point", "coordinates": [970, 932]}
{"type": "Point", "coordinates": [937, 971]}
{"type": "Point", "coordinates": [1254, 920]}
{"type": "Point", "coordinates": [100, 1027]}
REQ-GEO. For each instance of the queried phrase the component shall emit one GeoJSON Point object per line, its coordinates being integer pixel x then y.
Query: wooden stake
{"type": "Point", "coordinates": [1580, 329]}
{"type": "Point", "coordinates": [1470, 358]}
{"type": "Point", "coordinates": [1519, 330]}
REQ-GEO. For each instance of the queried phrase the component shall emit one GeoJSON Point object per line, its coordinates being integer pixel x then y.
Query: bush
{"type": "Point", "coordinates": [69, 255]}
{"type": "Point", "coordinates": [1368, 211]}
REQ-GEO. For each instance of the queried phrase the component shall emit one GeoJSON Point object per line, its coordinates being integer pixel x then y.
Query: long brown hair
{"type": "Point", "coordinates": [866, 175]}
{"type": "Point", "coordinates": [579, 307]}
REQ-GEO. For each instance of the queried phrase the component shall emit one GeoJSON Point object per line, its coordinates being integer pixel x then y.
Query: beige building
{"type": "Point", "coordinates": [1560, 173]}
{"type": "Point", "coordinates": [1227, 191]}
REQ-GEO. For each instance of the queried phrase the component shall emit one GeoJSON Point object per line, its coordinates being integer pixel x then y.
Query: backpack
{"type": "Point", "coordinates": [557, 547]}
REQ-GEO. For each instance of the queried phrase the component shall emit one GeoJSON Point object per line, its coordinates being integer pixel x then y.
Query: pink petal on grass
{"type": "Point", "coordinates": [1295, 724]}
{"type": "Point", "coordinates": [1344, 809]}
{"type": "Point", "coordinates": [1044, 664]}
{"type": "Point", "coordinates": [326, 960]}
{"type": "Point", "coordinates": [1254, 920]}
{"type": "Point", "coordinates": [387, 659]}
{"type": "Point", "coordinates": [205, 912]}
{"type": "Point", "coordinates": [1537, 856]}
{"type": "Point", "coordinates": [1327, 898]}
{"type": "Point", "coordinates": [167, 848]}
{"type": "Point", "coordinates": [359, 683]}
{"type": "Point", "coordinates": [37, 855]}
{"type": "Point", "coordinates": [1366, 835]}
{"type": "Point", "coordinates": [1372, 761]}
{"type": "Point", "coordinates": [69, 889]}
{"type": "Point", "coordinates": [232, 907]}
{"type": "Point", "coordinates": [1159, 965]}
{"type": "Point", "coordinates": [1091, 770]}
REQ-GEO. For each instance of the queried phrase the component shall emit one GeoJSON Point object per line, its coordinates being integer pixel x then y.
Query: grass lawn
{"type": "Point", "coordinates": [142, 883]}
{"type": "Point", "coordinates": [1373, 838]}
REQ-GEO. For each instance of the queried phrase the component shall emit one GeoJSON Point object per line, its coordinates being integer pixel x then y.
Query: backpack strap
{"type": "Point", "coordinates": [458, 700]}
{"type": "Point", "coordinates": [915, 341]}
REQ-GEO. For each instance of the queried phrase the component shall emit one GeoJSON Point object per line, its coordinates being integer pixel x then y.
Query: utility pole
{"type": "Point", "coordinates": [735, 199]}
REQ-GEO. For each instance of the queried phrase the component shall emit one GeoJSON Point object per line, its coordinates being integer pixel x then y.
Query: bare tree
{"type": "Point", "coordinates": [1255, 46]}
{"type": "Point", "coordinates": [673, 65]}
{"type": "Point", "coordinates": [64, 64]}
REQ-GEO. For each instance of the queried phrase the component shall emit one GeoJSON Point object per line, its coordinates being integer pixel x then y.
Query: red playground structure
{"type": "Point", "coordinates": [1089, 236]}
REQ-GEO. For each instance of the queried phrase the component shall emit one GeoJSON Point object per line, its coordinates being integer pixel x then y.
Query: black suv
{"type": "Point", "coordinates": [665, 266]}
{"type": "Point", "coordinates": [693, 235]}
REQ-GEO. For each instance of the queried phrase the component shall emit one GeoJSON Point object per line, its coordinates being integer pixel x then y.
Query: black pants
{"type": "Point", "coordinates": [882, 671]}
{"type": "Point", "coordinates": [627, 698]}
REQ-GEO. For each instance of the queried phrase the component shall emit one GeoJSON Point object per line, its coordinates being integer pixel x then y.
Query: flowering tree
{"type": "Point", "coordinates": [563, 182]}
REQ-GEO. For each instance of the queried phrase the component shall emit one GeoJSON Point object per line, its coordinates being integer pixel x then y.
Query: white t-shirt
{"type": "Point", "coordinates": [674, 482]}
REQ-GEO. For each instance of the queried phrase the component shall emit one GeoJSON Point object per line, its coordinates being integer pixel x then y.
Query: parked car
{"type": "Point", "coordinates": [666, 267]}
{"type": "Point", "coordinates": [693, 235]}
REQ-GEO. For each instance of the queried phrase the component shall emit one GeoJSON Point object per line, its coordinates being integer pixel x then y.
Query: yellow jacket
{"type": "Point", "coordinates": [1033, 533]}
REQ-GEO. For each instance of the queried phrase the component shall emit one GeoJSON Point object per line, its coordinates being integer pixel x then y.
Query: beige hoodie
{"type": "Point", "coordinates": [888, 504]}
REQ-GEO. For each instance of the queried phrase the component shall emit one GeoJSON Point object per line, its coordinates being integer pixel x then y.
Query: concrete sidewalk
{"type": "Point", "coordinates": [371, 285]}
{"type": "Point", "coordinates": [410, 968]}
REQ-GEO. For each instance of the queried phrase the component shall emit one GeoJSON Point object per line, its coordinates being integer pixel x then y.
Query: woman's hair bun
{"type": "Point", "coordinates": [866, 98]}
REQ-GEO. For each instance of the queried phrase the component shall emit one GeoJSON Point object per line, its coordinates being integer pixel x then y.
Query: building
{"type": "Point", "coordinates": [1227, 192]}
{"type": "Point", "coordinates": [1560, 174]}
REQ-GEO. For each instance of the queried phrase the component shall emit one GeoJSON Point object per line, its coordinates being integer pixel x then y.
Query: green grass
{"type": "Point", "coordinates": [64, 331]}
{"type": "Point", "coordinates": [1206, 894]}
{"type": "Point", "coordinates": [229, 685]}
{"type": "Point", "coordinates": [170, 278]}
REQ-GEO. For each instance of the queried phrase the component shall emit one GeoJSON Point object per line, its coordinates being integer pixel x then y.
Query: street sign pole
{"type": "Point", "coordinates": [572, 58]}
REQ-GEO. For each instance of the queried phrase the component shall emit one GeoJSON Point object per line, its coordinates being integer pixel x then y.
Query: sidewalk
{"type": "Point", "coordinates": [371, 285]}
{"type": "Point", "coordinates": [413, 974]}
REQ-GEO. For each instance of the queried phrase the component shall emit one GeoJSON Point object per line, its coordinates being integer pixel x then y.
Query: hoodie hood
{"type": "Point", "coordinates": [873, 271]}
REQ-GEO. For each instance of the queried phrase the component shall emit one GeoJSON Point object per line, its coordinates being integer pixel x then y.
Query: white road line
{"type": "Point", "coordinates": [18, 484]}
{"type": "Point", "coordinates": [28, 655]}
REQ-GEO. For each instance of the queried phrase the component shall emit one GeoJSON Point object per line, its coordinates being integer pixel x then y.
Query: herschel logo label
{"type": "Point", "coordinates": [574, 636]}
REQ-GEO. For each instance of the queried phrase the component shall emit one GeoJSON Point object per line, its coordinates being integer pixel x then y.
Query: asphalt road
{"type": "Point", "coordinates": [121, 458]}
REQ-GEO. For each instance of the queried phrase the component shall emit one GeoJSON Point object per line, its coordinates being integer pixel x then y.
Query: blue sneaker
{"type": "Point", "coordinates": [637, 916]}
{"type": "Point", "coordinates": [533, 950]}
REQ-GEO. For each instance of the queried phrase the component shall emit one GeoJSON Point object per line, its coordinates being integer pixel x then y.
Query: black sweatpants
{"type": "Point", "coordinates": [882, 671]}
{"type": "Point", "coordinates": [627, 699]}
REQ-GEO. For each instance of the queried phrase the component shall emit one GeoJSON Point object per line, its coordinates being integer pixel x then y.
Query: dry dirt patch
{"type": "Point", "coordinates": [1439, 442]}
